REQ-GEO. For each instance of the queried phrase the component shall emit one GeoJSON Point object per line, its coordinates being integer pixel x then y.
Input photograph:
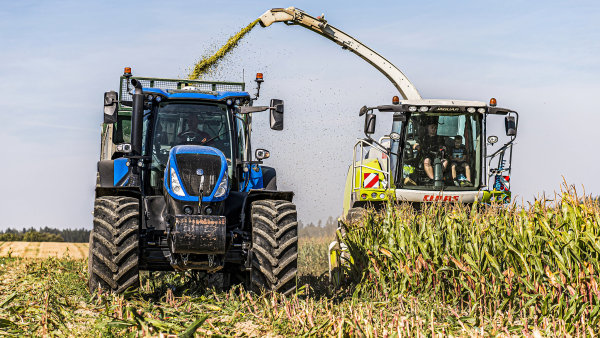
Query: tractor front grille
{"type": "Point", "coordinates": [189, 164]}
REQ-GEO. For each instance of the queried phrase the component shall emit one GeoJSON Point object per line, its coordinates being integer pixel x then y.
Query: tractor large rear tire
{"type": "Point", "coordinates": [114, 245]}
{"type": "Point", "coordinates": [274, 246]}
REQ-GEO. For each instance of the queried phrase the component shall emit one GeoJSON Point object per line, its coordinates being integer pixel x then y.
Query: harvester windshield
{"type": "Point", "coordinates": [440, 151]}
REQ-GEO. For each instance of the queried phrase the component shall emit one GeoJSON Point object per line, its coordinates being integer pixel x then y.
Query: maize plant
{"type": "Point", "coordinates": [535, 262]}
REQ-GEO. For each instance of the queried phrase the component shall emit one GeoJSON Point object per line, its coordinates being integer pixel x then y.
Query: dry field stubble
{"type": "Point", "coordinates": [44, 249]}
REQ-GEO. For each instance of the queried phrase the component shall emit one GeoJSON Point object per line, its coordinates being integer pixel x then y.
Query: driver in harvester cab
{"type": "Point", "coordinates": [431, 145]}
{"type": "Point", "coordinates": [192, 134]}
{"type": "Point", "coordinates": [460, 164]}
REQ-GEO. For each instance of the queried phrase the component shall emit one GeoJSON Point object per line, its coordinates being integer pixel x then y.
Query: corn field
{"type": "Point", "coordinates": [440, 271]}
{"type": "Point", "coordinates": [534, 265]}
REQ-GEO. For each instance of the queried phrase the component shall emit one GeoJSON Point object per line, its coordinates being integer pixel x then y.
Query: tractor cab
{"type": "Point", "coordinates": [437, 150]}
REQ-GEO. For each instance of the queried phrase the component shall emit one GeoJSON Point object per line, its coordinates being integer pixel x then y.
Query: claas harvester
{"type": "Point", "coordinates": [437, 150]}
{"type": "Point", "coordinates": [178, 189]}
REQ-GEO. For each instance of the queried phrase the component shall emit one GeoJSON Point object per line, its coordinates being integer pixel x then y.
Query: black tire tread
{"type": "Point", "coordinates": [113, 262]}
{"type": "Point", "coordinates": [274, 246]}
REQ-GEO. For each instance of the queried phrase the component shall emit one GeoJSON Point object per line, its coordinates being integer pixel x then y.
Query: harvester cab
{"type": "Point", "coordinates": [177, 188]}
{"type": "Point", "coordinates": [437, 150]}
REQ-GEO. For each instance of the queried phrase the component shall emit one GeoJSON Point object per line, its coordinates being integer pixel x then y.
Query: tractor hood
{"type": "Point", "coordinates": [194, 170]}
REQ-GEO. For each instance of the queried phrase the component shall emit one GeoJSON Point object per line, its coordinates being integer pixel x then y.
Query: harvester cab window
{"type": "Point", "coordinates": [441, 151]}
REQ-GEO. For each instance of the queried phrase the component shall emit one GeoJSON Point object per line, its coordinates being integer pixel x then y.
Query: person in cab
{"type": "Point", "coordinates": [431, 145]}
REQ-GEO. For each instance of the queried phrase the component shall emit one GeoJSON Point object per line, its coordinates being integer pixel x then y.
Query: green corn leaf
{"type": "Point", "coordinates": [513, 250]}
{"type": "Point", "coordinates": [8, 299]}
{"type": "Point", "coordinates": [6, 323]}
{"type": "Point", "coordinates": [189, 331]}
{"type": "Point", "coordinates": [494, 263]}
{"type": "Point", "coordinates": [471, 263]}
{"type": "Point", "coordinates": [118, 324]}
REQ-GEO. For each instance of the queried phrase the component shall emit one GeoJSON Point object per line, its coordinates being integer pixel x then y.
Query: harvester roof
{"type": "Point", "coordinates": [444, 102]}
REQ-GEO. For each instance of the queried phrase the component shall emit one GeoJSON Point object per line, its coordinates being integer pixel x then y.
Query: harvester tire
{"type": "Point", "coordinates": [274, 246]}
{"type": "Point", "coordinates": [114, 245]}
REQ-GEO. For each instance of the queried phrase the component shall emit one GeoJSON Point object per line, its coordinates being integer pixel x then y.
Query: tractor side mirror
{"type": "Point", "coordinates": [111, 102]}
{"type": "Point", "coordinates": [510, 125]}
{"type": "Point", "coordinates": [276, 114]}
{"type": "Point", "coordinates": [370, 120]}
{"type": "Point", "coordinates": [262, 154]}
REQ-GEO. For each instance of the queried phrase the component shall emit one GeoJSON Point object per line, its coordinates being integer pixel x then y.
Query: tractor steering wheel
{"type": "Point", "coordinates": [193, 137]}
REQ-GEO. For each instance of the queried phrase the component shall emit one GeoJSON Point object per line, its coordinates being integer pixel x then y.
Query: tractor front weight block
{"type": "Point", "coordinates": [198, 234]}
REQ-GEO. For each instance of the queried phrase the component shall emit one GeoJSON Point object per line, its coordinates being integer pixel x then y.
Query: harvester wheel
{"type": "Point", "coordinates": [274, 246]}
{"type": "Point", "coordinates": [114, 244]}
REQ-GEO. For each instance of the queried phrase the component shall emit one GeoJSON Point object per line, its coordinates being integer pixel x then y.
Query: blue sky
{"type": "Point", "coordinates": [58, 57]}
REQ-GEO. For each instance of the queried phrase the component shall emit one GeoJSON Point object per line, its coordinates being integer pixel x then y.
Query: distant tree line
{"type": "Point", "coordinates": [319, 230]}
{"type": "Point", "coordinates": [45, 234]}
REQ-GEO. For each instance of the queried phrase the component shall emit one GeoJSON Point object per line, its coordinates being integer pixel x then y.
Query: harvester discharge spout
{"type": "Point", "coordinates": [294, 16]}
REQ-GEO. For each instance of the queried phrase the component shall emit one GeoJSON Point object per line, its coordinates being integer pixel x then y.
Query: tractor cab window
{"type": "Point", "coordinates": [240, 124]}
{"type": "Point", "coordinates": [188, 123]}
{"type": "Point", "coordinates": [441, 151]}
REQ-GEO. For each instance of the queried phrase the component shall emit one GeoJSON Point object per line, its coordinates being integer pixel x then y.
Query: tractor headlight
{"type": "Point", "coordinates": [175, 185]}
{"type": "Point", "coordinates": [222, 189]}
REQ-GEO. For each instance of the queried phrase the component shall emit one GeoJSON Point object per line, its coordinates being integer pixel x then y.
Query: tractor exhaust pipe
{"type": "Point", "coordinates": [137, 118]}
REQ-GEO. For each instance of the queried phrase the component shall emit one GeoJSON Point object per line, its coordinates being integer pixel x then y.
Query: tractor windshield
{"type": "Point", "coordinates": [188, 123]}
{"type": "Point", "coordinates": [441, 152]}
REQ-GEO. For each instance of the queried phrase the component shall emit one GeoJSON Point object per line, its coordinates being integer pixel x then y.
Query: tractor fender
{"type": "Point", "coordinates": [113, 173]}
{"type": "Point", "coordinates": [269, 178]}
{"type": "Point", "coordinates": [118, 191]}
{"type": "Point", "coordinates": [260, 194]}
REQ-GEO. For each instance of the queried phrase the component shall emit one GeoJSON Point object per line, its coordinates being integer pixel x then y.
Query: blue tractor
{"type": "Point", "coordinates": [177, 188]}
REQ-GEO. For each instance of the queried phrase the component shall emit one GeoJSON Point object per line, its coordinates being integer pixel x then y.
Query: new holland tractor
{"type": "Point", "coordinates": [177, 188]}
{"type": "Point", "coordinates": [436, 151]}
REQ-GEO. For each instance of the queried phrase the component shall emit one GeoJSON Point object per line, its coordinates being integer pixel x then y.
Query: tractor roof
{"type": "Point", "coordinates": [196, 94]}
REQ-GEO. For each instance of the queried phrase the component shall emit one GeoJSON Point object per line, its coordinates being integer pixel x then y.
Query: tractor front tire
{"type": "Point", "coordinates": [274, 246]}
{"type": "Point", "coordinates": [114, 245]}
